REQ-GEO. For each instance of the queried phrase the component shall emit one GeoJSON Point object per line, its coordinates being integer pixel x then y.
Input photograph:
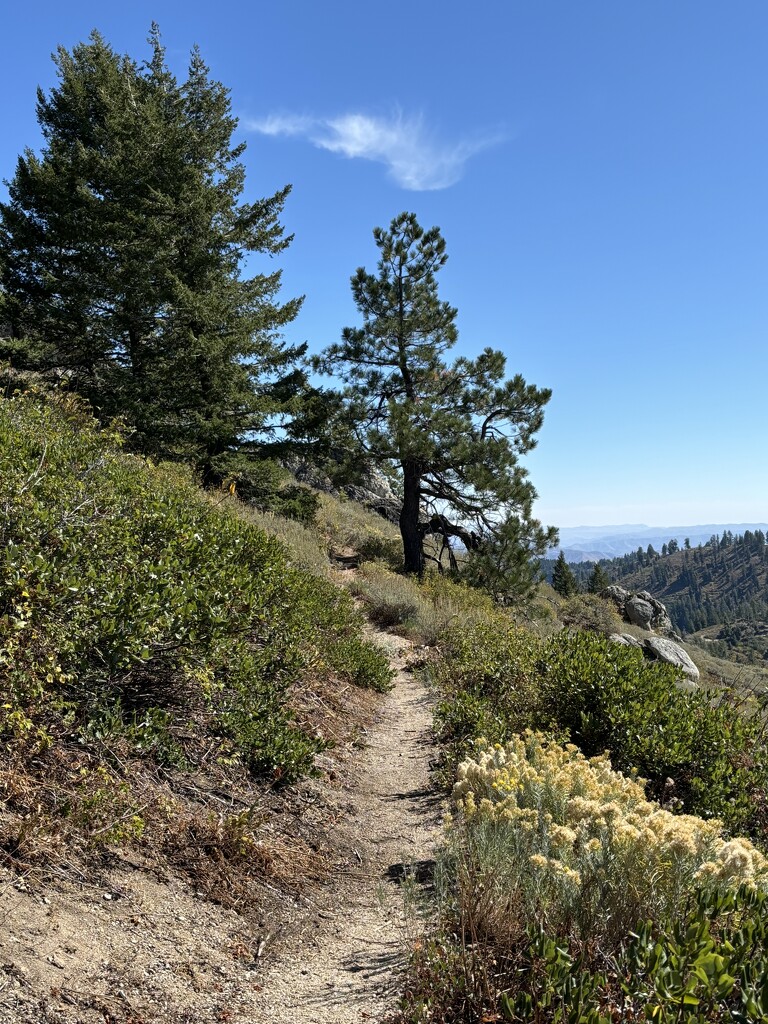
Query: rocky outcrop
{"type": "Point", "coordinates": [374, 490]}
{"type": "Point", "coordinates": [662, 649]}
{"type": "Point", "coordinates": [641, 609]}
{"type": "Point", "coordinates": [658, 648]}
{"type": "Point", "coordinates": [639, 612]}
{"type": "Point", "coordinates": [617, 594]}
{"type": "Point", "coordinates": [376, 494]}
{"type": "Point", "coordinates": [626, 639]}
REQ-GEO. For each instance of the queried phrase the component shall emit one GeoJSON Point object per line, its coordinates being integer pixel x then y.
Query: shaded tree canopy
{"type": "Point", "coordinates": [450, 433]}
{"type": "Point", "coordinates": [121, 256]}
{"type": "Point", "coordinates": [563, 580]}
{"type": "Point", "coordinates": [598, 580]}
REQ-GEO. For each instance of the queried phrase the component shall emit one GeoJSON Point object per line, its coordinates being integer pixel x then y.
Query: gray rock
{"type": "Point", "coordinates": [626, 639]}
{"type": "Point", "coordinates": [376, 495]}
{"type": "Point", "coordinates": [641, 609]}
{"type": "Point", "coordinates": [374, 490]}
{"type": "Point", "coordinates": [661, 621]}
{"type": "Point", "coordinates": [661, 649]}
{"type": "Point", "coordinates": [616, 594]}
{"type": "Point", "coordinates": [639, 612]}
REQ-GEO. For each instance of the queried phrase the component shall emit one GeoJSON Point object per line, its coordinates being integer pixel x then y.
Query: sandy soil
{"type": "Point", "coordinates": [349, 970]}
{"type": "Point", "coordinates": [137, 945]}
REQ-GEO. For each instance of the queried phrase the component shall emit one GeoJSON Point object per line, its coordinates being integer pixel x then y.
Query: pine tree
{"type": "Point", "coordinates": [121, 252]}
{"type": "Point", "coordinates": [598, 580]}
{"type": "Point", "coordinates": [563, 581]}
{"type": "Point", "coordinates": [450, 433]}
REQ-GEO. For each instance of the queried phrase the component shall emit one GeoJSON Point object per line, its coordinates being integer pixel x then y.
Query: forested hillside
{"type": "Point", "coordinates": [722, 581]}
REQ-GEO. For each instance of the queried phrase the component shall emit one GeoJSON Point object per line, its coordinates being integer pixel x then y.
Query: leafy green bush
{"type": "Point", "coordinates": [128, 596]}
{"type": "Point", "coordinates": [706, 757]}
{"type": "Point", "coordinates": [701, 754]}
{"type": "Point", "coordinates": [707, 965]}
{"type": "Point", "coordinates": [559, 906]}
{"type": "Point", "coordinates": [487, 682]}
{"type": "Point", "coordinates": [266, 486]}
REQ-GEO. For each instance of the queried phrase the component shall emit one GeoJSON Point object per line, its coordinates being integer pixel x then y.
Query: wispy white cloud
{"type": "Point", "coordinates": [282, 124]}
{"type": "Point", "coordinates": [414, 158]}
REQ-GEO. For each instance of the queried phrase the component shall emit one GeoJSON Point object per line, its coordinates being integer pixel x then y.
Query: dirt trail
{"type": "Point", "coordinates": [135, 944]}
{"type": "Point", "coordinates": [349, 969]}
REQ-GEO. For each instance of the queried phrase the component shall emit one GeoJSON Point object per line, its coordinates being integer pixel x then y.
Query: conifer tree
{"type": "Point", "coordinates": [121, 251]}
{"type": "Point", "coordinates": [451, 434]}
{"type": "Point", "coordinates": [563, 581]}
{"type": "Point", "coordinates": [598, 580]}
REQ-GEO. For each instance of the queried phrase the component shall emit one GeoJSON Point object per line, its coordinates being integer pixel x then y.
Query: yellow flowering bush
{"type": "Point", "coordinates": [566, 840]}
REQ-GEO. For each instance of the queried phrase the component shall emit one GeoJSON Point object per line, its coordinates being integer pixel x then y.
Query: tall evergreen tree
{"type": "Point", "coordinates": [563, 581]}
{"type": "Point", "coordinates": [598, 579]}
{"type": "Point", "coordinates": [450, 433]}
{"type": "Point", "coordinates": [121, 250]}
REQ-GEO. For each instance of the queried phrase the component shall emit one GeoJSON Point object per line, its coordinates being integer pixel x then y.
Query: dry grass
{"type": "Point", "coordinates": [421, 611]}
{"type": "Point", "coordinates": [347, 526]}
{"type": "Point", "coordinates": [341, 527]}
{"type": "Point", "coordinates": [748, 679]}
{"type": "Point", "coordinates": [306, 548]}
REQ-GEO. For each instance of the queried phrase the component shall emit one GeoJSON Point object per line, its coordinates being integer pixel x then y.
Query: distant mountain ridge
{"type": "Point", "coordinates": [591, 543]}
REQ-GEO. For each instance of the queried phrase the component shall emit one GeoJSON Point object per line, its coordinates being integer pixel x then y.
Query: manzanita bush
{"type": "Point", "coordinates": [130, 602]}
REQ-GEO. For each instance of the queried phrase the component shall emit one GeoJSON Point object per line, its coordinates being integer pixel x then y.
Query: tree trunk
{"type": "Point", "coordinates": [413, 555]}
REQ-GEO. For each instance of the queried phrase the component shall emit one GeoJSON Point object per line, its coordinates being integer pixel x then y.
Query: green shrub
{"type": "Point", "coordinates": [487, 684]}
{"type": "Point", "coordinates": [708, 964]}
{"type": "Point", "coordinates": [127, 596]}
{"type": "Point", "coordinates": [296, 502]}
{"type": "Point", "coordinates": [590, 612]}
{"type": "Point", "coordinates": [701, 753]}
{"type": "Point", "coordinates": [706, 757]}
{"type": "Point", "coordinates": [267, 486]}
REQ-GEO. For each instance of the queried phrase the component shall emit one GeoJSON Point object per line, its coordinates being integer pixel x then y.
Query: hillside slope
{"type": "Point", "coordinates": [722, 581]}
{"type": "Point", "coordinates": [164, 671]}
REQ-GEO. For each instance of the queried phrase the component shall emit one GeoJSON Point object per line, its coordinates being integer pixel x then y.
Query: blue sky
{"type": "Point", "coordinates": [599, 171]}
